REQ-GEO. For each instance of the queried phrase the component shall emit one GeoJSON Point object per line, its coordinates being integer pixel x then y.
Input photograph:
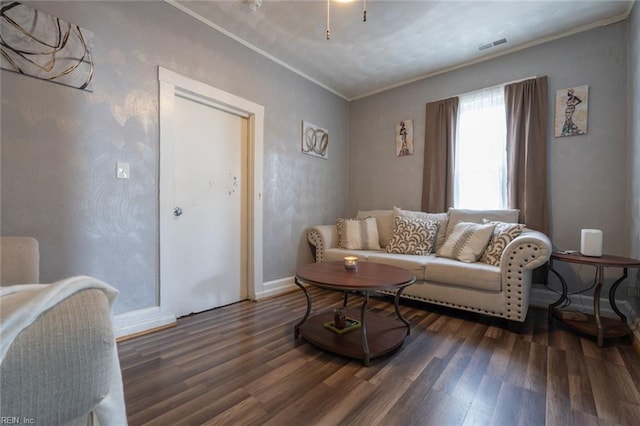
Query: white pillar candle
{"type": "Point", "coordinates": [351, 263]}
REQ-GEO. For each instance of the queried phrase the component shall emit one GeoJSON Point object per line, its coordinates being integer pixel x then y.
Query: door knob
{"type": "Point", "coordinates": [177, 211]}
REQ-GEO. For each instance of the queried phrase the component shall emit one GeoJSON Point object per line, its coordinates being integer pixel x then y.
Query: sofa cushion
{"type": "Point", "coordinates": [472, 275]}
{"type": "Point", "coordinates": [440, 218]}
{"type": "Point", "coordinates": [338, 254]}
{"type": "Point", "coordinates": [415, 264]}
{"type": "Point", "coordinates": [503, 234]}
{"type": "Point", "coordinates": [358, 234]}
{"type": "Point", "coordinates": [384, 219]}
{"type": "Point", "coordinates": [477, 216]}
{"type": "Point", "coordinates": [467, 241]}
{"type": "Point", "coordinates": [412, 236]}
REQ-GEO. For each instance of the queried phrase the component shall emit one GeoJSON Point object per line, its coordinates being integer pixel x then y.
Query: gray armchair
{"type": "Point", "coordinates": [58, 356]}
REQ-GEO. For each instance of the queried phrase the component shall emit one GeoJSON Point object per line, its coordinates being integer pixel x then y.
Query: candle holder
{"type": "Point", "coordinates": [351, 263]}
{"type": "Point", "coordinates": [340, 318]}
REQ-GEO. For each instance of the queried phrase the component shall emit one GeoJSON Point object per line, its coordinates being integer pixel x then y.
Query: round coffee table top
{"type": "Point", "coordinates": [368, 276]}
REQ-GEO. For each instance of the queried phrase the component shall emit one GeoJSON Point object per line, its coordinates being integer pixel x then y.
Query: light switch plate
{"type": "Point", "coordinates": [122, 170]}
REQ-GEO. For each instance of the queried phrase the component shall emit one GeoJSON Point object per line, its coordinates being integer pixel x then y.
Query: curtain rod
{"type": "Point", "coordinates": [485, 88]}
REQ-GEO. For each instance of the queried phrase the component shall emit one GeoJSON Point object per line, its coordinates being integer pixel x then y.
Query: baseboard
{"type": "Point", "coordinates": [141, 320]}
{"type": "Point", "coordinates": [277, 287]}
{"type": "Point", "coordinates": [542, 297]}
{"type": "Point", "coordinates": [144, 332]}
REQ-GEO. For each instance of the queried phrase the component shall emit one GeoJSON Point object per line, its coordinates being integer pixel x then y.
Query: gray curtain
{"type": "Point", "coordinates": [439, 142]}
{"type": "Point", "coordinates": [526, 109]}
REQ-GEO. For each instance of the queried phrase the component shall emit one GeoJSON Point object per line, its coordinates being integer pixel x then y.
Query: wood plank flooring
{"type": "Point", "coordinates": [240, 365]}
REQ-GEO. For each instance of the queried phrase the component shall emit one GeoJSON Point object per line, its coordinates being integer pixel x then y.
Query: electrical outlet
{"type": "Point", "coordinates": [122, 170]}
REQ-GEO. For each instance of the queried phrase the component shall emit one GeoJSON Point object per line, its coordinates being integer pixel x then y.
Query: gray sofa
{"type": "Point", "coordinates": [499, 291]}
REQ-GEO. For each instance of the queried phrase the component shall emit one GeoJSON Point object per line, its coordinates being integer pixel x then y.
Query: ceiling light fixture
{"type": "Point", "coordinates": [364, 14]}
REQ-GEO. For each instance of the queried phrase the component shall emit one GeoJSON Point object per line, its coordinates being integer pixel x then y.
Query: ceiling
{"type": "Point", "coordinates": [401, 41]}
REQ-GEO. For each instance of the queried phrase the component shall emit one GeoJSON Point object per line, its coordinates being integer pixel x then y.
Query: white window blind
{"type": "Point", "coordinates": [481, 163]}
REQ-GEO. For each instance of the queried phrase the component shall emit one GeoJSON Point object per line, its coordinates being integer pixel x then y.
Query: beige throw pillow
{"type": "Point", "coordinates": [503, 234]}
{"type": "Point", "coordinates": [384, 218]}
{"type": "Point", "coordinates": [412, 236]}
{"type": "Point", "coordinates": [440, 218]}
{"type": "Point", "coordinates": [358, 234]}
{"type": "Point", "coordinates": [477, 216]}
{"type": "Point", "coordinates": [467, 241]}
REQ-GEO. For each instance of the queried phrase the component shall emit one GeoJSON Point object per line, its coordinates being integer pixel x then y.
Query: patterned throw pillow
{"type": "Point", "coordinates": [412, 236]}
{"type": "Point", "coordinates": [467, 241]}
{"type": "Point", "coordinates": [503, 234]}
{"type": "Point", "coordinates": [440, 218]}
{"type": "Point", "coordinates": [358, 234]}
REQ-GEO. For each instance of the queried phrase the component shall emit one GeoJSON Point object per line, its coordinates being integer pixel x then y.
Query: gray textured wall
{"type": "Point", "coordinates": [60, 147]}
{"type": "Point", "coordinates": [634, 135]}
{"type": "Point", "coordinates": [588, 174]}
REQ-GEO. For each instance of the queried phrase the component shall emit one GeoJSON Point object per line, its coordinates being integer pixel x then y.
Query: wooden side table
{"type": "Point", "coordinates": [595, 325]}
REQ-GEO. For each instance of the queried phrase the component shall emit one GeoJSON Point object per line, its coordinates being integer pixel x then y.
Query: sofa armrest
{"type": "Point", "coordinates": [526, 252]}
{"type": "Point", "coordinates": [322, 237]}
{"type": "Point", "coordinates": [69, 349]}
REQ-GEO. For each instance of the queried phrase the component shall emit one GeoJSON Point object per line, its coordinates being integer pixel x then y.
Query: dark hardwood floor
{"type": "Point", "coordinates": [240, 365]}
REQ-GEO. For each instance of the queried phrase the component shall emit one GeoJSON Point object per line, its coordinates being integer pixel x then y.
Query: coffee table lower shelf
{"type": "Point", "coordinates": [384, 335]}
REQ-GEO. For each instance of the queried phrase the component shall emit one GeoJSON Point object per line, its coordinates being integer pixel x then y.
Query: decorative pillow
{"type": "Point", "coordinates": [440, 218]}
{"type": "Point", "coordinates": [384, 218]}
{"type": "Point", "coordinates": [477, 216]}
{"type": "Point", "coordinates": [358, 234]}
{"type": "Point", "coordinates": [467, 241]}
{"type": "Point", "coordinates": [503, 234]}
{"type": "Point", "coordinates": [412, 236]}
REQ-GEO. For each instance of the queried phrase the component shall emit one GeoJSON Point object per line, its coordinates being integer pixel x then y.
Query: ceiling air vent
{"type": "Point", "coordinates": [485, 46]}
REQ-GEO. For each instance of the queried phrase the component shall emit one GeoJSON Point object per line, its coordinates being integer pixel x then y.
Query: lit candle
{"type": "Point", "coordinates": [351, 263]}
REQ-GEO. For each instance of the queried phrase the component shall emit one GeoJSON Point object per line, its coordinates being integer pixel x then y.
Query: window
{"type": "Point", "coordinates": [480, 176]}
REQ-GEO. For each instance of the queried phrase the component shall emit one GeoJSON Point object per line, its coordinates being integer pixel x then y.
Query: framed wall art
{"type": "Point", "coordinates": [45, 47]}
{"type": "Point", "coordinates": [315, 140]}
{"type": "Point", "coordinates": [404, 138]}
{"type": "Point", "coordinates": [572, 107]}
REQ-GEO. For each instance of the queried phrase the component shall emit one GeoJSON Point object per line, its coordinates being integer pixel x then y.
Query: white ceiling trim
{"type": "Point", "coordinates": [601, 23]}
{"type": "Point", "coordinates": [245, 43]}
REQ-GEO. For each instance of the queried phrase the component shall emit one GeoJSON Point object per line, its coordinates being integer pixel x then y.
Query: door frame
{"type": "Point", "coordinates": [172, 84]}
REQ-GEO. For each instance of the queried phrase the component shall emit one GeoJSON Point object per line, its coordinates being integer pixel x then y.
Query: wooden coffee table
{"type": "Point", "coordinates": [378, 334]}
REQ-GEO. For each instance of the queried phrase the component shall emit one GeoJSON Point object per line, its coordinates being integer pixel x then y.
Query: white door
{"type": "Point", "coordinates": [209, 217]}
{"type": "Point", "coordinates": [211, 170]}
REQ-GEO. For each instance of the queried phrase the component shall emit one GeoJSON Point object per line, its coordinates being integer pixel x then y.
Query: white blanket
{"type": "Point", "coordinates": [21, 305]}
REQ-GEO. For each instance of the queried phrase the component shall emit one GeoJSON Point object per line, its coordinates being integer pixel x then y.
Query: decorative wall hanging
{"type": "Point", "coordinates": [43, 46]}
{"type": "Point", "coordinates": [404, 138]}
{"type": "Point", "coordinates": [572, 107]}
{"type": "Point", "coordinates": [315, 140]}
